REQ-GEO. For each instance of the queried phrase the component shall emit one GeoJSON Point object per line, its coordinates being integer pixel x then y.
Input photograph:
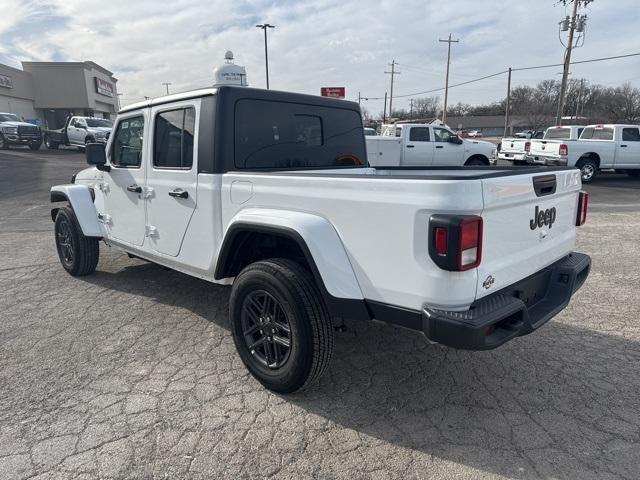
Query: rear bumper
{"type": "Point", "coordinates": [513, 311]}
{"type": "Point", "coordinates": [510, 157]}
{"type": "Point", "coordinates": [543, 160]}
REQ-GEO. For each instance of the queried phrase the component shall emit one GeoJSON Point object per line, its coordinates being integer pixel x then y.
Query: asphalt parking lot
{"type": "Point", "coordinates": [132, 373]}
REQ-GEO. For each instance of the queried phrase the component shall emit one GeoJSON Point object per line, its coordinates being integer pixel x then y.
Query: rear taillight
{"type": "Point", "coordinates": [563, 149]}
{"type": "Point", "coordinates": [455, 241]}
{"type": "Point", "coordinates": [527, 146]}
{"type": "Point", "coordinates": [583, 203]}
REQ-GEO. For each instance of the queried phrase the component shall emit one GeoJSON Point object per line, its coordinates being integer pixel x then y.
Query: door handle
{"type": "Point", "coordinates": [410, 146]}
{"type": "Point", "coordinates": [178, 193]}
{"type": "Point", "coordinates": [624, 146]}
{"type": "Point", "coordinates": [134, 188]}
{"type": "Point", "coordinates": [439, 146]}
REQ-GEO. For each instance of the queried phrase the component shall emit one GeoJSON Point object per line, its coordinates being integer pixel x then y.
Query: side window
{"type": "Point", "coordinates": [173, 139]}
{"type": "Point", "coordinates": [441, 134]}
{"type": "Point", "coordinates": [580, 132]}
{"type": "Point", "coordinates": [308, 130]}
{"type": "Point", "coordinates": [126, 149]}
{"type": "Point", "coordinates": [419, 134]}
{"type": "Point", "coordinates": [74, 122]}
{"type": "Point", "coordinates": [630, 135]}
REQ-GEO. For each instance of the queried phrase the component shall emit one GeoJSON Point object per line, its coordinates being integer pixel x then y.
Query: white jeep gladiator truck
{"type": "Point", "coordinates": [414, 144]}
{"type": "Point", "coordinates": [14, 131]}
{"type": "Point", "coordinates": [600, 147]}
{"type": "Point", "coordinates": [518, 150]}
{"type": "Point", "coordinates": [271, 192]}
{"type": "Point", "coordinates": [78, 132]}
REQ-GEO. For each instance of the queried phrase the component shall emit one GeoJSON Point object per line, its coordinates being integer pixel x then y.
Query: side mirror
{"type": "Point", "coordinates": [96, 155]}
{"type": "Point", "coordinates": [456, 140]}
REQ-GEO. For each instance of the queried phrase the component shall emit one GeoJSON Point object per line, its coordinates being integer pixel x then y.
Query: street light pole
{"type": "Point", "coordinates": [264, 27]}
{"type": "Point", "coordinates": [166, 84]}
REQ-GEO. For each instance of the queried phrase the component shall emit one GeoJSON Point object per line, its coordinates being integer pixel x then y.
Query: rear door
{"type": "Point", "coordinates": [172, 178]}
{"type": "Point", "coordinates": [446, 153]}
{"type": "Point", "coordinates": [628, 150]}
{"type": "Point", "coordinates": [418, 148]}
{"type": "Point", "coordinates": [528, 223]}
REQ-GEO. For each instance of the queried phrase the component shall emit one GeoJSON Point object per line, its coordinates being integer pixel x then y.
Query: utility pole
{"type": "Point", "coordinates": [573, 24]}
{"type": "Point", "coordinates": [446, 83]}
{"type": "Point", "coordinates": [411, 109]}
{"type": "Point", "coordinates": [507, 105]}
{"type": "Point", "coordinates": [264, 27]}
{"type": "Point", "coordinates": [359, 98]}
{"type": "Point", "coordinates": [393, 73]}
{"type": "Point", "coordinates": [384, 115]}
{"type": "Point", "coordinates": [166, 84]}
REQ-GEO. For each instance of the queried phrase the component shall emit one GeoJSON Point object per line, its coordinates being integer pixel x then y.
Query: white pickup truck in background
{"type": "Point", "coordinates": [600, 147]}
{"type": "Point", "coordinates": [427, 145]}
{"type": "Point", "coordinates": [517, 150]}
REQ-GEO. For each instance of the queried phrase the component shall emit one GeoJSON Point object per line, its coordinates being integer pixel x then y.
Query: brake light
{"type": "Point", "coordinates": [470, 243]}
{"type": "Point", "coordinates": [455, 241]}
{"type": "Point", "coordinates": [583, 203]}
{"type": "Point", "coordinates": [527, 146]}
{"type": "Point", "coordinates": [563, 149]}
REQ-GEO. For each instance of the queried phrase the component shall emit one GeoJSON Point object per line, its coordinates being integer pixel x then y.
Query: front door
{"type": "Point", "coordinates": [445, 152]}
{"type": "Point", "coordinates": [125, 182]}
{"type": "Point", "coordinates": [628, 150]}
{"type": "Point", "coordinates": [418, 150]}
{"type": "Point", "coordinates": [75, 131]}
{"type": "Point", "coordinates": [172, 177]}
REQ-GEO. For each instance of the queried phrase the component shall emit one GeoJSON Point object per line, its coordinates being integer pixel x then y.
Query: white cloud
{"type": "Point", "coordinates": [316, 43]}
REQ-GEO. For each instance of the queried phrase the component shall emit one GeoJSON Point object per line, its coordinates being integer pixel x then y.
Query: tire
{"type": "Point", "coordinates": [588, 169]}
{"type": "Point", "coordinates": [267, 298]}
{"type": "Point", "coordinates": [50, 144]}
{"type": "Point", "coordinates": [634, 173]}
{"type": "Point", "coordinates": [476, 161]}
{"type": "Point", "coordinates": [78, 254]}
{"type": "Point", "coordinates": [35, 146]}
{"type": "Point", "coordinates": [4, 145]}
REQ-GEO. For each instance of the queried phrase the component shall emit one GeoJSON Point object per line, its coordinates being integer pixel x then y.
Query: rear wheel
{"type": "Point", "coordinates": [50, 144]}
{"type": "Point", "coordinates": [78, 254]}
{"type": "Point", "coordinates": [588, 169]}
{"type": "Point", "coordinates": [35, 146]}
{"type": "Point", "coordinates": [281, 326]}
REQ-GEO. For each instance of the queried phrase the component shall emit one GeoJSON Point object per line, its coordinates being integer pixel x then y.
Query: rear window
{"type": "Point", "coordinates": [593, 133]}
{"type": "Point", "coordinates": [272, 134]}
{"type": "Point", "coordinates": [558, 134]}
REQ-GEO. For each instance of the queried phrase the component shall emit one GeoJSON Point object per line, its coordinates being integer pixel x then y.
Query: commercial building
{"type": "Point", "coordinates": [46, 93]}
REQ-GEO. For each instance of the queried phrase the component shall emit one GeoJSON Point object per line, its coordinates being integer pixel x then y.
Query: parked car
{"type": "Point", "coordinates": [517, 150]}
{"type": "Point", "coordinates": [370, 132]}
{"type": "Point", "coordinates": [14, 131]}
{"type": "Point", "coordinates": [78, 132]}
{"type": "Point", "coordinates": [474, 133]}
{"type": "Point", "coordinates": [426, 144]}
{"type": "Point", "coordinates": [600, 147]}
{"type": "Point", "coordinates": [529, 134]}
{"type": "Point", "coordinates": [271, 192]}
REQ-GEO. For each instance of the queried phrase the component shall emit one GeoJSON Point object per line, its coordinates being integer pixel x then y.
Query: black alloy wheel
{"type": "Point", "coordinates": [266, 329]}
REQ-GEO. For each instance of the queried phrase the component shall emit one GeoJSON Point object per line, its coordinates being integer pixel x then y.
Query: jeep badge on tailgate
{"type": "Point", "coordinates": [543, 217]}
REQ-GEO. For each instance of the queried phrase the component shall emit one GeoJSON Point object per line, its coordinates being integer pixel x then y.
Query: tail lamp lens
{"type": "Point", "coordinates": [441, 240]}
{"type": "Point", "coordinates": [583, 203]}
{"type": "Point", "coordinates": [470, 243]}
{"type": "Point", "coordinates": [563, 149]}
{"type": "Point", "coordinates": [527, 146]}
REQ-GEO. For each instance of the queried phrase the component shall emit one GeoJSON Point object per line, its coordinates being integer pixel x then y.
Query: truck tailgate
{"type": "Point", "coordinates": [512, 145]}
{"type": "Point", "coordinates": [514, 244]}
{"type": "Point", "coordinates": [544, 148]}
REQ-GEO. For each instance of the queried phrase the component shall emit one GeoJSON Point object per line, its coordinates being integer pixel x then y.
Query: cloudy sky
{"type": "Point", "coordinates": [320, 42]}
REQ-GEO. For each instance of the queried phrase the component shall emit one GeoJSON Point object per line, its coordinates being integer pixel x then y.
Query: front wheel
{"type": "Point", "coordinates": [78, 254]}
{"type": "Point", "coordinates": [34, 146]}
{"type": "Point", "coordinates": [588, 169]}
{"type": "Point", "coordinates": [280, 324]}
{"type": "Point", "coordinates": [4, 145]}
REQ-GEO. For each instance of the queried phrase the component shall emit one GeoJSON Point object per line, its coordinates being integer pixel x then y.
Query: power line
{"type": "Point", "coordinates": [506, 71]}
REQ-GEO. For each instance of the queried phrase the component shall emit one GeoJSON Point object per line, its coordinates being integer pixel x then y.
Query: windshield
{"type": "Point", "coordinates": [558, 134]}
{"type": "Point", "coordinates": [99, 122]}
{"type": "Point", "coordinates": [9, 117]}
